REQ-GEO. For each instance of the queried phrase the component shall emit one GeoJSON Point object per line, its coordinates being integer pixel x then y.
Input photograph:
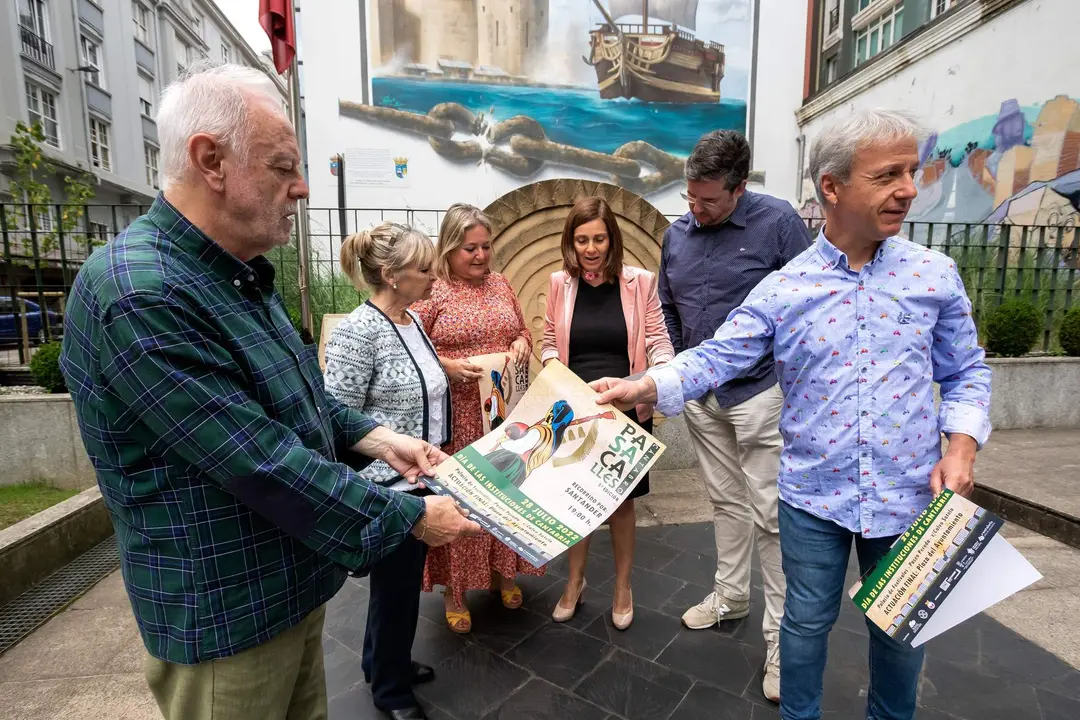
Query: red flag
{"type": "Point", "coordinates": [276, 18]}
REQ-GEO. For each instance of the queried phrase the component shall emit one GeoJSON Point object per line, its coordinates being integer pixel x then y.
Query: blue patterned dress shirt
{"type": "Point", "coordinates": [857, 353]}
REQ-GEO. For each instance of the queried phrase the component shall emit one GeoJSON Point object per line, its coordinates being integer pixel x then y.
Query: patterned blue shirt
{"type": "Point", "coordinates": [707, 271]}
{"type": "Point", "coordinates": [857, 354]}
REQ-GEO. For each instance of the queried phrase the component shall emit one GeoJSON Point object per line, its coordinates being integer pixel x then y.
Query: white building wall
{"type": "Point", "coordinates": [331, 70]}
{"type": "Point", "coordinates": [781, 59]}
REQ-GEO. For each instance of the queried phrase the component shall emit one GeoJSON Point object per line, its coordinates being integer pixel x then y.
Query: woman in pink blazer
{"type": "Point", "coordinates": [583, 301]}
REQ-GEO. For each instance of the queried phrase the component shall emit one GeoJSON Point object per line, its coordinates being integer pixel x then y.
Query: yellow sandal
{"type": "Point", "coordinates": [459, 622]}
{"type": "Point", "coordinates": [511, 599]}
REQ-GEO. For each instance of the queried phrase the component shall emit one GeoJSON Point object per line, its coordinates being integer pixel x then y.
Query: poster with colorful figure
{"type": "Point", "coordinates": [553, 471]}
{"type": "Point", "coordinates": [502, 385]}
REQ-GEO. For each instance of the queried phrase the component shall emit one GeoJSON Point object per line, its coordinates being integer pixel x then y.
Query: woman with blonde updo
{"type": "Point", "coordinates": [380, 360]}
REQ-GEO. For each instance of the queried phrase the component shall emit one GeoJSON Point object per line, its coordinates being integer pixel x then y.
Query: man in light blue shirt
{"type": "Point", "coordinates": [861, 326]}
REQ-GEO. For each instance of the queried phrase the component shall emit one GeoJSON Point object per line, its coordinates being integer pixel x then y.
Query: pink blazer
{"type": "Point", "coordinates": [648, 344]}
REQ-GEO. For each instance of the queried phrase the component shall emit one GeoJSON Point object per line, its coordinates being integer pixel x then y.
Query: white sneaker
{"type": "Point", "coordinates": [770, 686]}
{"type": "Point", "coordinates": [714, 609]}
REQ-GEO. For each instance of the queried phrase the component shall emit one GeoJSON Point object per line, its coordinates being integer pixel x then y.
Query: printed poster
{"type": "Point", "coordinates": [502, 386]}
{"type": "Point", "coordinates": [553, 471]}
{"type": "Point", "coordinates": [951, 564]}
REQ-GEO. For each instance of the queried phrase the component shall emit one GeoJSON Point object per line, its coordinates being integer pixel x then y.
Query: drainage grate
{"type": "Point", "coordinates": [30, 610]}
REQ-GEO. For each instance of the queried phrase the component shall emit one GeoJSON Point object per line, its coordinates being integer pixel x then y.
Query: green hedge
{"type": "Point", "coordinates": [1069, 335]}
{"type": "Point", "coordinates": [45, 368]}
{"type": "Point", "coordinates": [1013, 328]}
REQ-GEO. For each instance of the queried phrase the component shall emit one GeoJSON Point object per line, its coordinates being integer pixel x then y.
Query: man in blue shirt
{"type": "Point", "coordinates": [861, 326]}
{"type": "Point", "coordinates": [712, 257]}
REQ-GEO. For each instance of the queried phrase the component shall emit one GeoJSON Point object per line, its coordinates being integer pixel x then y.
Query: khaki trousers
{"type": "Point", "coordinates": [738, 449]}
{"type": "Point", "coordinates": [281, 679]}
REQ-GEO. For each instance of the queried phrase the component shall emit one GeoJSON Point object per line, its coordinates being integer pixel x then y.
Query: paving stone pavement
{"type": "Point", "coordinates": [521, 664]}
{"type": "Point", "coordinates": [87, 662]}
{"type": "Point", "coordinates": [1016, 661]}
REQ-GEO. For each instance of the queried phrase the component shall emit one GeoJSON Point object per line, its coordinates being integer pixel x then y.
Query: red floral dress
{"type": "Point", "coordinates": [465, 320]}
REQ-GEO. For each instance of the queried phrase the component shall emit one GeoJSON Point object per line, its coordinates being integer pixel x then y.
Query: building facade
{"type": "Point", "coordinates": [91, 72]}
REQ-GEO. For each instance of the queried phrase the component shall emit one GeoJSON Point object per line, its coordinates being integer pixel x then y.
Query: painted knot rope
{"type": "Point", "coordinates": [519, 146]}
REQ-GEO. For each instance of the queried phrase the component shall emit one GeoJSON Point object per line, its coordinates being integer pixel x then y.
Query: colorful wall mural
{"type": "Point", "coordinates": [514, 91]}
{"type": "Point", "coordinates": [1021, 166]}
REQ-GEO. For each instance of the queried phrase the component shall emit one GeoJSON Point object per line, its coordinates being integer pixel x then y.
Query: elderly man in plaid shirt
{"type": "Point", "coordinates": [218, 453]}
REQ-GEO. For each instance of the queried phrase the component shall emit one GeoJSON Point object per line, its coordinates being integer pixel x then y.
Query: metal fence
{"type": "Point", "coordinates": [329, 290]}
{"type": "Point", "coordinates": [44, 246]}
{"type": "Point", "coordinates": [1040, 264]}
{"type": "Point", "coordinates": [996, 262]}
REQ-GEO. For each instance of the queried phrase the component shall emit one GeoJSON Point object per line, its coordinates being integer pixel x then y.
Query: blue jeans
{"type": "Point", "coordinates": [815, 556]}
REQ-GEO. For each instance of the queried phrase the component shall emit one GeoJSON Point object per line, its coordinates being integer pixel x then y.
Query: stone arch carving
{"type": "Point", "coordinates": [527, 226]}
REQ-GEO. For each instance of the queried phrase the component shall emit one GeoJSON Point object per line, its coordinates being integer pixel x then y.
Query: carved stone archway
{"type": "Point", "coordinates": [527, 227]}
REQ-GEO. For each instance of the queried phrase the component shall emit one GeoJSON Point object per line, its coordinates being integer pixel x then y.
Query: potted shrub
{"type": "Point", "coordinates": [1069, 335]}
{"type": "Point", "coordinates": [45, 368]}
{"type": "Point", "coordinates": [1012, 328]}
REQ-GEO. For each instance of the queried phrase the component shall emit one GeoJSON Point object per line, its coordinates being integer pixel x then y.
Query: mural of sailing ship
{"type": "Point", "coordinates": [655, 62]}
{"type": "Point", "coordinates": [507, 84]}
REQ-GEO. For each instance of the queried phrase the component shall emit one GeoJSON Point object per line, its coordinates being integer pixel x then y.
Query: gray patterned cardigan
{"type": "Point", "coordinates": [369, 367]}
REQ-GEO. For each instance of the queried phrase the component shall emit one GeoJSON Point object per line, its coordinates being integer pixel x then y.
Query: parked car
{"type": "Point", "coordinates": [11, 322]}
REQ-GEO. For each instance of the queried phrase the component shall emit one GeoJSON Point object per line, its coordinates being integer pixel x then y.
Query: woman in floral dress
{"type": "Point", "coordinates": [472, 311]}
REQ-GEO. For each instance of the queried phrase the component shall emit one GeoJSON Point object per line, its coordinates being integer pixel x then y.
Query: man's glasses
{"type": "Point", "coordinates": [705, 204]}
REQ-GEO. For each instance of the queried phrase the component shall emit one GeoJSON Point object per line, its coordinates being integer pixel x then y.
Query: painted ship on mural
{"type": "Point", "coordinates": [658, 59]}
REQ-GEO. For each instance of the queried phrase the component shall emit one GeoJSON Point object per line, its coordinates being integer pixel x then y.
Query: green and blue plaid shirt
{"type": "Point", "coordinates": [215, 445]}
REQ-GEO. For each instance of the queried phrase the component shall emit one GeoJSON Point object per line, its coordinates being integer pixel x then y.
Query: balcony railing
{"type": "Point", "coordinates": [834, 19]}
{"type": "Point", "coordinates": [639, 29]}
{"type": "Point", "coordinates": [37, 48]}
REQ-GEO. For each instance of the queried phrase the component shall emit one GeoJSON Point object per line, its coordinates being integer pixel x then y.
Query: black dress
{"type": "Point", "coordinates": [598, 343]}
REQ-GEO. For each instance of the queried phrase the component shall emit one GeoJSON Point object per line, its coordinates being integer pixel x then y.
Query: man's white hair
{"type": "Point", "coordinates": [210, 99]}
{"type": "Point", "coordinates": [833, 150]}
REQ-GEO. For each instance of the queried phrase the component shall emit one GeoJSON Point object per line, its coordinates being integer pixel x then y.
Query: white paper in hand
{"type": "Point", "coordinates": [950, 565]}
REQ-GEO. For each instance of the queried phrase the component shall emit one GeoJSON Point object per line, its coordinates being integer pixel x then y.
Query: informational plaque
{"type": "Point", "coordinates": [375, 167]}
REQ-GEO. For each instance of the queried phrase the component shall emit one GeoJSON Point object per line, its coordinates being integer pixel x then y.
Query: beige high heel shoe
{"type": "Point", "coordinates": [621, 621]}
{"type": "Point", "coordinates": [561, 614]}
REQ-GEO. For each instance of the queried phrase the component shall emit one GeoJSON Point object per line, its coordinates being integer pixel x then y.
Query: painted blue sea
{"type": "Point", "coordinates": [572, 116]}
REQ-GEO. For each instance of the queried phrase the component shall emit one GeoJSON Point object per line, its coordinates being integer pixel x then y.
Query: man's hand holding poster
{"type": "Point", "coordinates": [552, 470]}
